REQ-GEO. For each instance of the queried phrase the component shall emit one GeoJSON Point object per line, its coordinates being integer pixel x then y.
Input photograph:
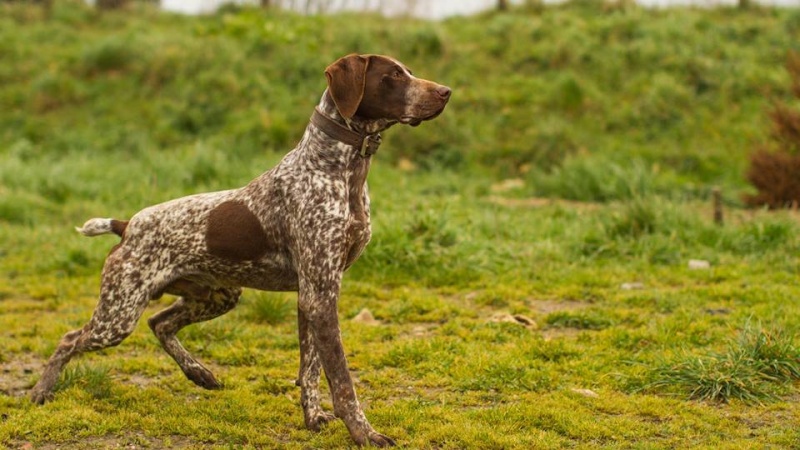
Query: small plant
{"type": "Point", "coordinates": [269, 307]}
{"type": "Point", "coordinates": [772, 351]}
{"type": "Point", "coordinates": [597, 179]}
{"type": "Point", "coordinates": [718, 378]}
{"type": "Point", "coordinates": [408, 355]}
{"type": "Point", "coordinates": [432, 230]}
{"type": "Point", "coordinates": [552, 351]}
{"type": "Point", "coordinates": [751, 370]}
{"type": "Point", "coordinates": [274, 386]}
{"type": "Point", "coordinates": [639, 217]}
{"type": "Point", "coordinates": [111, 54]}
{"type": "Point", "coordinates": [94, 380]}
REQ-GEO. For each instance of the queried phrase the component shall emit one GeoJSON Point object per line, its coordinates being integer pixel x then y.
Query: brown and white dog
{"type": "Point", "coordinates": [297, 227]}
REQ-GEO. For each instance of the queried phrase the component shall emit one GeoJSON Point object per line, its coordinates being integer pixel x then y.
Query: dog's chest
{"type": "Point", "coordinates": [358, 230]}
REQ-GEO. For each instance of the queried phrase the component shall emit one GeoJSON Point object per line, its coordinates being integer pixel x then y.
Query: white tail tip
{"type": "Point", "coordinates": [95, 227]}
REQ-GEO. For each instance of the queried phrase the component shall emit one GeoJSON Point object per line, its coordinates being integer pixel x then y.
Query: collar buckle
{"type": "Point", "coordinates": [370, 145]}
{"type": "Point", "coordinates": [367, 144]}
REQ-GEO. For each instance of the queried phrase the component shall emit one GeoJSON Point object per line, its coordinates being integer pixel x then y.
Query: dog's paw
{"type": "Point", "coordinates": [203, 378]}
{"type": "Point", "coordinates": [316, 420]}
{"type": "Point", "coordinates": [41, 396]}
{"type": "Point", "coordinates": [380, 440]}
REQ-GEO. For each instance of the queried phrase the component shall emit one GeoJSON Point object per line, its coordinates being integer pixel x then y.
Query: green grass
{"type": "Point", "coordinates": [610, 125]}
{"type": "Point", "coordinates": [754, 368]}
{"type": "Point", "coordinates": [93, 380]}
{"type": "Point", "coordinates": [269, 307]}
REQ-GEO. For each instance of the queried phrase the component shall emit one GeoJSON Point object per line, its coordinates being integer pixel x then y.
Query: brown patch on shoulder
{"type": "Point", "coordinates": [235, 233]}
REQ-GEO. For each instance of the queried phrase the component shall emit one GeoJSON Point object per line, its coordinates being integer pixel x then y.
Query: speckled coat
{"type": "Point", "coordinates": [297, 227]}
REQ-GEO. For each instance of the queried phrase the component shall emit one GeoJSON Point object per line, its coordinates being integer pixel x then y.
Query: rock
{"type": "Point", "coordinates": [508, 185]}
{"type": "Point", "coordinates": [585, 392]}
{"type": "Point", "coordinates": [699, 264]}
{"type": "Point", "coordinates": [631, 286]}
{"type": "Point", "coordinates": [406, 165]}
{"type": "Point", "coordinates": [366, 317]}
{"type": "Point", "coordinates": [518, 319]}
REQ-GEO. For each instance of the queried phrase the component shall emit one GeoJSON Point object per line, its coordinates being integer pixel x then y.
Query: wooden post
{"type": "Point", "coordinates": [716, 195]}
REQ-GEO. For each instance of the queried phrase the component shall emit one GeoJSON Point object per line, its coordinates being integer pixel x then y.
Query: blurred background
{"type": "Point", "coordinates": [426, 9]}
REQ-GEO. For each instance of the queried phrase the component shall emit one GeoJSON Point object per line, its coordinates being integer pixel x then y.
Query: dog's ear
{"type": "Point", "coordinates": [346, 80]}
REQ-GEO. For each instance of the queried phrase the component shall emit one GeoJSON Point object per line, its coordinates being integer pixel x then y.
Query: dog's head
{"type": "Point", "coordinates": [380, 88]}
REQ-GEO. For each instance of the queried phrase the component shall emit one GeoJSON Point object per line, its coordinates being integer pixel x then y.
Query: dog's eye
{"type": "Point", "coordinates": [397, 74]}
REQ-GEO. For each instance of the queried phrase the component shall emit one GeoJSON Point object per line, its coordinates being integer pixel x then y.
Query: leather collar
{"type": "Point", "coordinates": [367, 144]}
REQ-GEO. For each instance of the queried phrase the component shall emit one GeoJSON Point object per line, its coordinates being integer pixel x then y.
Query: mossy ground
{"type": "Point", "coordinates": [104, 115]}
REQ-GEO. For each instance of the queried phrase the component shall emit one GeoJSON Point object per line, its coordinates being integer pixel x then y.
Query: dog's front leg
{"type": "Point", "coordinates": [317, 301]}
{"type": "Point", "coordinates": [308, 377]}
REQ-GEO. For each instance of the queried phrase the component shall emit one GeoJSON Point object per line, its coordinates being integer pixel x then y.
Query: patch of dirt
{"type": "Point", "coordinates": [366, 317]}
{"type": "Point", "coordinates": [16, 375]}
{"type": "Point", "coordinates": [424, 329]}
{"type": "Point", "coordinates": [517, 319]}
{"type": "Point", "coordinates": [549, 334]}
{"type": "Point", "coordinates": [128, 441]}
{"type": "Point", "coordinates": [552, 306]}
{"type": "Point", "coordinates": [140, 381]}
{"type": "Point", "coordinates": [536, 202]}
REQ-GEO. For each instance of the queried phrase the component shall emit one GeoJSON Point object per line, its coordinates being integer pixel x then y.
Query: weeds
{"type": "Point", "coordinates": [753, 369]}
{"type": "Point", "coordinates": [269, 307]}
{"type": "Point", "coordinates": [772, 352]}
{"type": "Point", "coordinates": [719, 378]}
{"type": "Point", "coordinates": [95, 380]}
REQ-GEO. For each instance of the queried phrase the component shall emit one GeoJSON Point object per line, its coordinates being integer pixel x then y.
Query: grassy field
{"type": "Point", "coordinates": [530, 266]}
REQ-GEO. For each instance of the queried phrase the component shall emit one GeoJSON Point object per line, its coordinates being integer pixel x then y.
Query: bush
{"type": "Point", "coordinates": [108, 55]}
{"type": "Point", "coordinates": [596, 179]}
{"type": "Point", "coordinates": [776, 174]}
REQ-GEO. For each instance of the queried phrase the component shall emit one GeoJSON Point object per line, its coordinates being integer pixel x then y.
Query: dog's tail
{"type": "Point", "coordinates": [97, 226]}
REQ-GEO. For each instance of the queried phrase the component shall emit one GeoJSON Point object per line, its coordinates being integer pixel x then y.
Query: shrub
{"type": "Point", "coordinates": [776, 174]}
{"type": "Point", "coordinates": [108, 55]}
{"type": "Point", "coordinates": [597, 179]}
{"type": "Point", "coordinates": [51, 91]}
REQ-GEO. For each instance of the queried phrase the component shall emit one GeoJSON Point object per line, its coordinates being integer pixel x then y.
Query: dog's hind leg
{"type": "Point", "coordinates": [196, 304]}
{"type": "Point", "coordinates": [123, 298]}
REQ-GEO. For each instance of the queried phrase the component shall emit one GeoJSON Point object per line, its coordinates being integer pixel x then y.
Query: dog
{"type": "Point", "coordinates": [297, 227]}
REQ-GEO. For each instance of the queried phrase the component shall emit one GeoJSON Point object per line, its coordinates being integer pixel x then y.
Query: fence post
{"type": "Point", "coordinates": [716, 195]}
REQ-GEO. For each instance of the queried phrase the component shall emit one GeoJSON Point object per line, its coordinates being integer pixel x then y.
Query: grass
{"type": "Point", "coordinates": [569, 184]}
{"type": "Point", "coordinates": [93, 380]}
{"type": "Point", "coordinates": [270, 308]}
{"type": "Point", "coordinates": [753, 369]}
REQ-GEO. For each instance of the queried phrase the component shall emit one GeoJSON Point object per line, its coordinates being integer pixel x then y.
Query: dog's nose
{"type": "Point", "coordinates": [443, 92]}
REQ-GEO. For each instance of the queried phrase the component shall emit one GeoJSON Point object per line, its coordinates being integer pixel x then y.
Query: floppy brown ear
{"type": "Point", "coordinates": [346, 79]}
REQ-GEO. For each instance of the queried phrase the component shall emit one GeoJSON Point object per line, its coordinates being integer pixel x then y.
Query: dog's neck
{"type": "Point", "coordinates": [357, 124]}
{"type": "Point", "coordinates": [336, 141]}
